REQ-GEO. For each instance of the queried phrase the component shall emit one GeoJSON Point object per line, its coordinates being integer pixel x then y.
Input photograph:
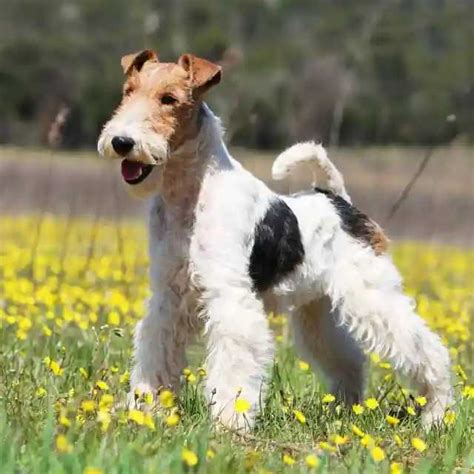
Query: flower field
{"type": "Point", "coordinates": [71, 290]}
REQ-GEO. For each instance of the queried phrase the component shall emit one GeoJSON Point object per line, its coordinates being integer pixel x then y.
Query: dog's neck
{"type": "Point", "coordinates": [187, 166]}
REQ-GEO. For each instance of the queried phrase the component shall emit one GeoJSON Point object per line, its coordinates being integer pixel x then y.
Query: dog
{"type": "Point", "coordinates": [225, 250]}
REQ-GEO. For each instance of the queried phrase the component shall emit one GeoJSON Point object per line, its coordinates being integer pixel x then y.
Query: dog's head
{"type": "Point", "coordinates": [158, 113]}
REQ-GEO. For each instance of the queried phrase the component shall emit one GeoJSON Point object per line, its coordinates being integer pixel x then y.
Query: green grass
{"type": "Point", "coordinates": [62, 310]}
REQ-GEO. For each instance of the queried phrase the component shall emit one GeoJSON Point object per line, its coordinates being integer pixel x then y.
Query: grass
{"type": "Point", "coordinates": [71, 292]}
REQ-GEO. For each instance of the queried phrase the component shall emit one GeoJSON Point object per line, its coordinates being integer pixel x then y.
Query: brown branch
{"type": "Point", "coordinates": [406, 190]}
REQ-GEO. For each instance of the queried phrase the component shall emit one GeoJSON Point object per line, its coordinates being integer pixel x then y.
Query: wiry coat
{"type": "Point", "coordinates": [225, 250]}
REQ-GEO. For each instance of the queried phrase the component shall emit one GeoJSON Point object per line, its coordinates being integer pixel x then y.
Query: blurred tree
{"type": "Point", "coordinates": [373, 71]}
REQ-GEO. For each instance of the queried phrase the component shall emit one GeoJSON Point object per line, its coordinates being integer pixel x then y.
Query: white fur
{"type": "Point", "coordinates": [315, 156]}
{"type": "Point", "coordinates": [343, 299]}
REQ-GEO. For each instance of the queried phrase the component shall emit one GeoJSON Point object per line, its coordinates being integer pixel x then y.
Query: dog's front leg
{"type": "Point", "coordinates": [159, 343]}
{"type": "Point", "coordinates": [240, 350]}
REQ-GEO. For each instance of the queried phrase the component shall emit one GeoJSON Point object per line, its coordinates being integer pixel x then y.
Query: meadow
{"type": "Point", "coordinates": [71, 290]}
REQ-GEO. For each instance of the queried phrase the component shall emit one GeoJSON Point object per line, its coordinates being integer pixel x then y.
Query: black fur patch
{"type": "Point", "coordinates": [354, 222]}
{"type": "Point", "coordinates": [277, 247]}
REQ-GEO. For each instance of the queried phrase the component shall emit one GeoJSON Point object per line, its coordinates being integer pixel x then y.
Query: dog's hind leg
{"type": "Point", "coordinates": [320, 341]}
{"type": "Point", "coordinates": [367, 292]}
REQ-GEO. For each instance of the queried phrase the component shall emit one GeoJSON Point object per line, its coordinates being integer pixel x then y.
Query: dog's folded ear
{"type": "Point", "coordinates": [137, 60]}
{"type": "Point", "coordinates": [202, 73]}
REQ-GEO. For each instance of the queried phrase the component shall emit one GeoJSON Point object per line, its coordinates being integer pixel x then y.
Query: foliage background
{"type": "Point", "coordinates": [371, 71]}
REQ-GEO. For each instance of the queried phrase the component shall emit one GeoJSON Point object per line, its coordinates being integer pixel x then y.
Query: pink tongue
{"type": "Point", "coordinates": [131, 169]}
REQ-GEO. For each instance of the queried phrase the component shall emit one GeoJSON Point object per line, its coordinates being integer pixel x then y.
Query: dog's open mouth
{"type": "Point", "coordinates": [134, 172]}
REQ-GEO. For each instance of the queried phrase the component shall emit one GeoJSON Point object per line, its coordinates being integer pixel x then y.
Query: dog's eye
{"type": "Point", "coordinates": [168, 99]}
{"type": "Point", "coordinates": [127, 90]}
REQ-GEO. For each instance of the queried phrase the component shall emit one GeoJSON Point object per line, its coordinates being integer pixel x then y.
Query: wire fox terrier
{"type": "Point", "coordinates": [225, 250]}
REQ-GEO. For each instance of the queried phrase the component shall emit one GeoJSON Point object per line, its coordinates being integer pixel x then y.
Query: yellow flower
{"type": "Point", "coordinates": [377, 454]}
{"type": "Point", "coordinates": [210, 454]}
{"type": "Point", "coordinates": [189, 458]}
{"type": "Point", "coordinates": [88, 406]}
{"type": "Point", "coordinates": [375, 358]}
{"type": "Point", "coordinates": [62, 444]}
{"type": "Point", "coordinates": [398, 440]}
{"type": "Point", "coordinates": [113, 318]}
{"type": "Point", "coordinates": [338, 440]}
{"type": "Point", "coordinates": [385, 365]}
{"type": "Point", "coordinates": [102, 385]}
{"type": "Point", "coordinates": [137, 416]}
{"type": "Point", "coordinates": [106, 401]}
{"type": "Point", "coordinates": [299, 416]}
{"type": "Point", "coordinates": [64, 420]}
{"type": "Point", "coordinates": [191, 378]}
{"type": "Point", "coordinates": [411, 411]}
{"type": "Point", "coordinates": [418, 444]}
{"type": "Point", "coordinates": [104, 418]}
{"type": "Point", "coordinates": [358, 409]}
{"type": "Point", "coordinates": [327, 447]}
{"type": "Point", "coordinates": [468, 392]}
{"type": "Point", "coordinates": [41, 392]}
{"type": "Point", "coordinates": [202, 372]}
{"type": "Point", "coordinates": [287, 459]}
{"type": "Point", "coordinates": [312, 461]}
{"type": "Point", "coordinates": [396, 468]}
{"type": "Point", "coordinates": [83, 372]}
{"type": "Point", "coordinates": [367, 441]}
{"type": "Point", "coordinates": [166, 398]}
{"type": "Point", "coordinates": [328, 398]}
{"type": "Point", "coordinates": [357, 431]}
{"type": "Point", "coordinates": [172, 420]}
{"type": "Point", "coordinates": [371, 403]}
{"type": "Point", "coordinates": [149, 421]}
{"type": "Point", "coordinates": [421, 401]}
{"type": "Point", "coordinates": [450, 417]}
{"type": "Point", "coordinates": [93, 470]}
{"type": "Point", "coordinates": [125, 377]}
{"type": "Point", "coordinates": [241, 405]}
{"type": "Point", "coordinates": [55, 368]}
{"type": "Point", "coordinates": [148, 398]}
{"type": "Point", "coordinates": [392, 420]}
{"type": "Point", "coordinates": [304, 366]}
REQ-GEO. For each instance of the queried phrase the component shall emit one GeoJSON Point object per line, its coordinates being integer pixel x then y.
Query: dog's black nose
{"type": "Point", "coordinates": [123, 145]}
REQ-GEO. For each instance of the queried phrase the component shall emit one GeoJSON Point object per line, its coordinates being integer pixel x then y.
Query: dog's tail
{"type": "Point", "coordinates": [325, 174]}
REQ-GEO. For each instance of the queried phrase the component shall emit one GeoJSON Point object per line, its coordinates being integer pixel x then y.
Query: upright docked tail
{"type": "Point", "coordinates": [325, 174]}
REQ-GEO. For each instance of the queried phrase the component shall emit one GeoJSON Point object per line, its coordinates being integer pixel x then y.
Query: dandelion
{"type": "Point", "coordinates": [288, 460]}
{"type": "Point", "coordinates": [93, 470]}
{"type": "Point", "coordinates": [125, 377]}
{"type": "Point", "coordinates": [418, 444]}
{"type": "Point", "coordinates": [396, 468]}
{"type": "Point", "coordinates": [411, 411]}
{"type": "Point", "coordinates": [64, 420]}
{"type": "Point", "coordinates": [172, 420]}
{"type": "Point", "coordinates": [40, 392]}
{"type": "Point", "coordinates": [88, 406]}
{"type": "Point", "coordinates": [327, 447]}
{"type": "Point", "coordinates": [357, 431]}
{"type": "Point", "coordinates": [304, 366]}
{"type": "Point", "coordinates": [449, 417]}
{"type": "Point", "coordinates": [84, 372]}
{"type": "Point", "coordinates": [137, 416]}
{"type": "Point", "coordinates": [104, 418]}
{"type": "Point", "coordinates": [312, 461]}
{"type": "Point", "coordinates": [339, 440]}
{"type": "Point", "coordinates": [148, 398]}
{"type": "Point", "coordinates": [299, 416]}
{"type": "Point", "coordinates": [375, 358]}
{"type": "Point", "coordinates": [371, 403]}
{"type": "Point", "coordinates": [191, 378]}
{"type": "Point", "coordinates": [166, 399]}
{"type": "Point", "coordinates": [421, 401]}
{"type": "Point", "coordinates": [398, 440]}
{"type": "Point", "coordinates": [468, 392]}
{"type": "Point", "coordinates": [392, 420]}
{"type": "Point", "coordinates": [149, 422]}
{"type": "Point", "coordinates": [189, 457]}
{"type": "Point", "coordinates": [377, 454]}
{"type": "Point", "coordinates": [367, 441]}
{"type": "Point", "coordinates": [358, 409]}
{"type": "Point", "coordinates": [328, 398]}
{"type": "Point", "coordinates": [202, 372]}
{"type": "Point", "coordinates": [241, 405]}
{"type": "Point", "coordinates": [385, 365]}
{"type": "Point", "coordinates": [210, 454]}
{"type": "Point", "coordinates": [62, 444]}
{"type": "Point", "coordinates": [102, 385]}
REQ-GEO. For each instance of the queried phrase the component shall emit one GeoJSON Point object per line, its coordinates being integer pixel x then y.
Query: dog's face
{"type": "Point", "coordinates": [158, 113]}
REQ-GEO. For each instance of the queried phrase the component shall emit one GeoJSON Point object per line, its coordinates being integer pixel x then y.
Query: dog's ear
{"type": "Point", "coordinates": [202, 73]}
{"type": "Point", "coordinates": [137, 60]}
